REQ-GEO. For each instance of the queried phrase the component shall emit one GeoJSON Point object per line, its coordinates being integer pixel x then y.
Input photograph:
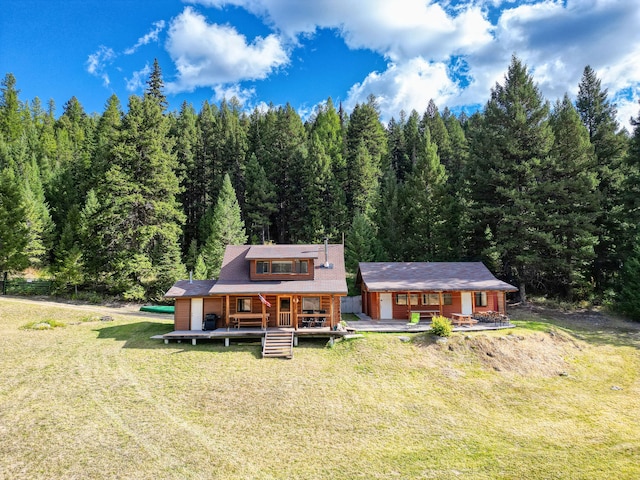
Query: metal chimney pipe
{"type": "Point", "coordinates": [190, 276]}
{"type": "Point", "coordinates": [326, 252]}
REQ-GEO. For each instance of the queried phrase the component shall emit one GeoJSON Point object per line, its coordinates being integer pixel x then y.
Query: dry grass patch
{"type": "Point", "coordinates": [103, 400]}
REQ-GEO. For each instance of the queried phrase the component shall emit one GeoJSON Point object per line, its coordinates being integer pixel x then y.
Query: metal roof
{"type": "Point", "coordinates": [429, 276]}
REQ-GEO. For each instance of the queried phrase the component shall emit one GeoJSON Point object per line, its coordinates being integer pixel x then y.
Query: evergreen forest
{"type": "Point", "coordinates": [546, 192]}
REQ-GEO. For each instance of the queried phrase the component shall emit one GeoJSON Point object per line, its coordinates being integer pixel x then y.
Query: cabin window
{"type": "Point", "coordinates": [447, 299]}
{"type": "Point", "coordinates": [480, 299]}
{"type": "Point", "coordinates": [243, 305]}
{"type": "Point", "coordinates": [302, 266]}
{"type": "Point", "coordinates": [281, 267]}
{"type": "Point", "coordinates": [310, 304]}
{"type": "Point", "coordinates": [430, 299]}
{"type": "Point", "coordinates": [262, 267]}
{"type": "Point", "coordinates": [401, 298]}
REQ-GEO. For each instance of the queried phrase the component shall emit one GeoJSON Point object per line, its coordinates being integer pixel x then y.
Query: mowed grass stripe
{"type": "Point", "coordinates": [103, 400]}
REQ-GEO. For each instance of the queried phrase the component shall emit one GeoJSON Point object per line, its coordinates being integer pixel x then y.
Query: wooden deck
{"type": "Point", "coordinates": [245, 332]}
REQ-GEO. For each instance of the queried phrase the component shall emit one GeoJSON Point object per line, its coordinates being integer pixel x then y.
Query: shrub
{"type": "Point", "coordinates": [43, 325]}
{"type": "Point", "coordinates": [441, 326]}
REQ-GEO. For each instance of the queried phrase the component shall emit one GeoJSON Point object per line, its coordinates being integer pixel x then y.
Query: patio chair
{"type": "Point", "coordinates": [414, 320]}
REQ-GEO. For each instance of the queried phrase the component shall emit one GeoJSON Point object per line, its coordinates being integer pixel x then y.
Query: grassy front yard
{"type": "Point", "coordinates": [98, 399]}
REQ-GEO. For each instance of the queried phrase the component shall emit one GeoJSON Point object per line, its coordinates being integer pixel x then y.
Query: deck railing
{"type": "Point", "coordinates": [285, 319]}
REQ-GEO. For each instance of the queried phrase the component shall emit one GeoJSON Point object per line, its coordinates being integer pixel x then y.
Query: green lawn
{"type": "Point", "coordinates": [96, 399]}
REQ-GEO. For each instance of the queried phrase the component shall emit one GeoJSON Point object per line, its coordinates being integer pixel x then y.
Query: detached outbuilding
{"type": "Point", "coordinates": [392, 290]}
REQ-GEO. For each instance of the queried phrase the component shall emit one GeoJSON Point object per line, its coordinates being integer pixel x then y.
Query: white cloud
{"type": "Point", "coordinates": [98, 61]}
{"type": "Point", "coordinates": [138, 79]}
{"type": "Point", "coordinates": [208, 55]}
{"type": "Point", "coordinates": [556, 39]}
{"type": "Point", "coordinates": [243, 95]}
{"type": "Point", "coordinates": [406, 87]}
{"type": "Point", "coordinates": [152, 36]}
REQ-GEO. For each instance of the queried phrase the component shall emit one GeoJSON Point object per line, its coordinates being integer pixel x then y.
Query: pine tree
{"type": "Point", "coordinates": [389, 219]}
{"type": "Point", "coordinates": [186, 134]}
{"type": "Point", "coordinates": [260, 201]}
{"type": "Point", "coordinates": [627, 300]}
{"type": "Point", "coordinates": [424, 206]}
{"type": "Point", "coordinates": [599, 116]}
{"type": "Point", "coordinates": [225, 228]}
{"type": "Point", "coordinates": [10, 110]}
{"type": "Point", "coordinates": [13, 224]}
{"type": "Point", "coordinates": [360, 243]}
{"type": "Point", "coordinates": [569, 185]}
{"type": "Point", "coordinates": [155, 86]}
{"type": "Point", "coordinates": [510, 147]}
{"type": "Point", "coordinates": [139, 219]}
{"type": "Point", "coordinates": [366, 157]}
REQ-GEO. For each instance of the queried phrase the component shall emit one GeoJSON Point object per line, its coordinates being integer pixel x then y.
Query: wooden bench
{"type": "Point", "coordinates": [246, 319]}
{"type": "Point", "coordinates": [463, 319]}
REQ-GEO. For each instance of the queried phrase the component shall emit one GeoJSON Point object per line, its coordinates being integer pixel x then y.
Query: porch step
{"type": "Point", "coordinates": [278, 344]}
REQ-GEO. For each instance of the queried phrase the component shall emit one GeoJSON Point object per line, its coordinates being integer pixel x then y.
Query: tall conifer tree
{"type": "Point", "coordinates": [509, 151]}
{"type": "Point", "coordinates": [225, 228]}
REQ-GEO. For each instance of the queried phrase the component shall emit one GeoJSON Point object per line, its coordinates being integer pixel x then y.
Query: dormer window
{"type": "Point", "coordinates": [281, 267]}
{"type": "Point", "coordinates": [302, 266]}
{"type": "Point", "coordinates": [262, 267]}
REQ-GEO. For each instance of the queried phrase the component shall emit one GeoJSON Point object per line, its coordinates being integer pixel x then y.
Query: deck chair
{"type": "Point", "coordinates": [320, 320]}
{"type": "Point", "coordinates": [414, 320]}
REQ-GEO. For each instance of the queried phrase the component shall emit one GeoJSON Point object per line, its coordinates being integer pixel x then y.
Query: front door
{"type": "Point", "coordinates": [284, 312]}
{"type": "Point", "coordinates": [467, 308]}
{"type": "Point", "coordinates": [386, 307]}
{"type": "Point", "coordinates": [196, 313]}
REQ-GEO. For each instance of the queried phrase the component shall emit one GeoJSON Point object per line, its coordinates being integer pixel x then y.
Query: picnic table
{"type": "Point", "coordinates": [462, 319]}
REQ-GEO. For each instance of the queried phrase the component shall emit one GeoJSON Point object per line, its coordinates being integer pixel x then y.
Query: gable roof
{"type": "Point", "coordinates": [429, 276]}
{"type": "Point", "coordinates": [186, 288]}
{"type": "Point", "coordinates": [234, 274]}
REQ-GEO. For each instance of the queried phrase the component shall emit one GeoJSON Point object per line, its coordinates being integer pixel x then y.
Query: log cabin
{"type": "Point", "coordinates": [293, 286]}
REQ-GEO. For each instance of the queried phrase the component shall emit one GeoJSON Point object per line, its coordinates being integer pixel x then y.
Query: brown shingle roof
{"type": "Point", "coordinates": [234, 274]}
{"type": "Point", "coordinates": [269, 252]}
{"type": "Point", "coordinates": [196, 288]}
{"type": "Point", "coordinates": [429, 276]}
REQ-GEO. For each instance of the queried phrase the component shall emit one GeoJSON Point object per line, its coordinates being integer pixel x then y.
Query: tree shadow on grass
{"type": "Point", "coordinates": [138, 335]}
{"type": "Point", "coordinates": [135, 335]}
{"type": "Point", "coordinates": [592, 327]}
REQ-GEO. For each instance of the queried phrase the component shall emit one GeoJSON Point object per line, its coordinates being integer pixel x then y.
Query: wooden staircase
{"type": "Point", "coordinates": [278, 343]}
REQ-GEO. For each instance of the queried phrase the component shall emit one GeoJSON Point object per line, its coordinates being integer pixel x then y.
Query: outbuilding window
{"type": "Point", "coordinates": [480, 299]}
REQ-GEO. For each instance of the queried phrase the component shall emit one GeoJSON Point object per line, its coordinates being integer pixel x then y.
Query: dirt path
{"type": "Point", "coordinates": [123, 309]}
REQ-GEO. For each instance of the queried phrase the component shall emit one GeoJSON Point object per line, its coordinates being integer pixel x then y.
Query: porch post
{"type": "Point", "coordinates": [440, 302]}
{"type": "Point", "coordinates": [226, 311]}
{"type": "Point", "coordinates": [331, 313]}
{"type": "Point", "coordinates": [408, 305]}
{"type": "Point", "coordinates": [264, 316]}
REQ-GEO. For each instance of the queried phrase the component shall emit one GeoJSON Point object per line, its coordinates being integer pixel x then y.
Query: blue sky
{"type": "Point", "coordinates": [405, 52]}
